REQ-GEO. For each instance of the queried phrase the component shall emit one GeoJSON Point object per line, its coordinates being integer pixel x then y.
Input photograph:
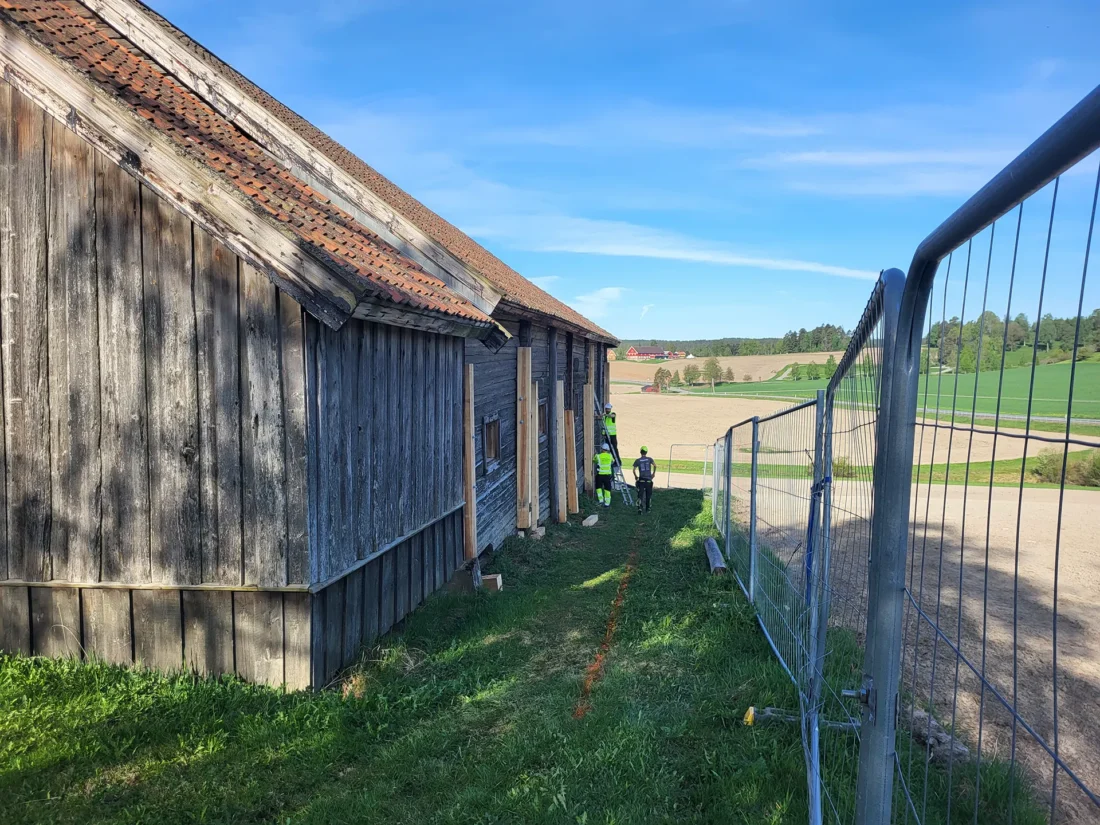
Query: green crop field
{"type": "Point", "coordinates": [1050, 397]}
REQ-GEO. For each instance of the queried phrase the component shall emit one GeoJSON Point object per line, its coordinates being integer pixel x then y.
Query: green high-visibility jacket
{"type": "Point", "coordinates": [609, 424]}
{"type": "Point", "coordinates": [603, 463]}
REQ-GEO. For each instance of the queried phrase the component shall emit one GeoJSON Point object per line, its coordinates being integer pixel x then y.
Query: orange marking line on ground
{"type": "Point", "coordinates": [594, 671]}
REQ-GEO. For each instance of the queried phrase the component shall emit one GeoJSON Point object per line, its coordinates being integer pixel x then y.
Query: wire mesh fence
{"type": "Point", "coordinates": [690, 466]}
{"type": "Point", "coordinates": [1001, 637]}
{"type": "Point", "coordinates": [921, 542]}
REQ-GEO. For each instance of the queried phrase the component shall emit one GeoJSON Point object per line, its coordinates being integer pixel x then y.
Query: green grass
{"type": "Point", "coordinates": [466, 716]}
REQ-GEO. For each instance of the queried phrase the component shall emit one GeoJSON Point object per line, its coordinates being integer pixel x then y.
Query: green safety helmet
{"type": "Point", "coordinates": [645, 449]}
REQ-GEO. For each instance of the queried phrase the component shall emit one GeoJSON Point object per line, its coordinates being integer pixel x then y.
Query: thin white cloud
{"type": "Point", "coordinates": [598, 304]}
{"type": "Point", "coordinates": [864, 158]}
{"type": "Point", "coordinates": [545, 281]}
{"type": "Point", "coordinates": [645, 310]}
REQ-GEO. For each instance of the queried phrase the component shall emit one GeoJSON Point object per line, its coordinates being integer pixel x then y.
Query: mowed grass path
{"type": "Point", "coordinates": [467, 716]}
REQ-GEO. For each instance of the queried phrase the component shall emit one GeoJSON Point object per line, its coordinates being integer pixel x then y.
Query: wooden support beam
{"type": "Point", "coordinates": [533, 456]}
{"type": "Point", "coordinates": [560, 462]}
{"type": "Point", "coordinates": [524, 409]}
{"type": "Point", "coordinates": [552, 429]}
{"type": "Point", "coordinates": [589, 436]}
{"type": "Point", "coordinates": [573, 501]}
{"type": "Point", "coordinates": [591, 379]}
{"type": "Point", "coordinates": [469, 464]}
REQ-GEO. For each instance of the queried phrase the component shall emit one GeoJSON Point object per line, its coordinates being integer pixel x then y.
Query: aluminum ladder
{"type": "Point", "coordinates": [617, 479]}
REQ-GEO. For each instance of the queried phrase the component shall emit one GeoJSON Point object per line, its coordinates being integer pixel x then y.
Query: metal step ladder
{"type": "Point", "coordinates": [617, 480]}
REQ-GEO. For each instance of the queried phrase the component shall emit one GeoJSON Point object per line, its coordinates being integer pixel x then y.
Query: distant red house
{"type": "Point", "coordinates": [646, 354]}
{"type": "Point", "coordinates": [651, 388]}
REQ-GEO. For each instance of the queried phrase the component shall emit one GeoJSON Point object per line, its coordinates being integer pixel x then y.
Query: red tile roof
{"type": "Point", "coordinates": [514, 287]}
{"type": "Point", "coordinates": [76, 35]}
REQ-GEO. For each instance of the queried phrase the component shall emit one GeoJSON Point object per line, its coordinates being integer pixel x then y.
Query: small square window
{"type": "Point", "coordinates": [490, 434]}
{"type": "Point", "coordinates": [542, 419]}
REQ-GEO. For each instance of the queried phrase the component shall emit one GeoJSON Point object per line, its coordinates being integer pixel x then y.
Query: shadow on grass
{"type": "Point", "coordinates": [463, 715]}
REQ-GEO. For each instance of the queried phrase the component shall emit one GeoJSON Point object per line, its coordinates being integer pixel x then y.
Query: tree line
{"type": "Point", "coordinates": [964, 347]}
{"type": "Point", "coordinates": [712, 372]}
{"type": "Point", "coordinates": [822, 338]}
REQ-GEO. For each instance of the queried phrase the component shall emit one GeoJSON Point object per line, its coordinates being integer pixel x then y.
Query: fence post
{"type": "Point", "coordinates": [816, 571]}
{"type": "Point", "coordinates": [893, 468]}
{"type": "Point", "coordinates": [728, 490]}
{"type": "Point", "coordinates": [752, 509]}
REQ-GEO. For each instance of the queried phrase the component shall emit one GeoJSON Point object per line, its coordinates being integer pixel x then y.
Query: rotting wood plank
{"type": "Point", "coordinates": [571, 462]}
{"type": "Point", "coordinates": [410, 509]}
{"type": "Point", "coordinates": [23, 285]}
{"type": "Point", "coordinates": [75, 514]}
{"type": "Point", "coordinates": [124, 434]}
{"type": "Point", "coordinates": [589, 438]}
{"type": "Point", "coordinates": [296, 460]}
{"type": "Point", "coordinates": [107, 629]}
{"type": "Point", "coordinates": [258, 636]}
{"type": "Point", "coordinates": [5, 183]}
{"type": "Point", "coordinates": [353, 616]}
{"type": "Point", "coordinates": [313, 472]}
{"type": "Point", "coordinates": [386, 593]}
{"type": "Point", "coordinates": [561, 461]}
{"type": "Point", "coordinates": [172, 390]}
{"type": "Point", "coordinates": [436, 501]}
{"type": "Point", "coordinates": [397, 442]}
{"type": "Point", "coordinates": [219, 382]}
{"type": "Point", "coordinates": [372, 575]}
{"type": "Point", "coordinates": [15, 620]}
{"type": "Point", "coordinates": [158, 632]}
{"type": "Point", "coordinates": [262, 442]}
{"type": "Point", "coordinates": [379, 447]}
{"type": "Point", "coordinates": [334, 628]}
{"type": "Point", "coordinates": [296, 640]}
{"type": "Point", "coordinates": [469, 477]}
{"type": "Point", "coordinates": [208, 631]}
{"type": "Point", "coordinates": [55, 621]}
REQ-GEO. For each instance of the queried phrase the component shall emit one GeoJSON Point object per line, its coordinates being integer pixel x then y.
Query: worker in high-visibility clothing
{"type": "Point", "coordinates": [612, 431]}
{"type": "Point", "coordinates": [645, 469]}
{"type": "Point", "coordinates": [602, 464]}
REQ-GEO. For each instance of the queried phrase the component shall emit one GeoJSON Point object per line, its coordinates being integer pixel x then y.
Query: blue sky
{"type": "Point", "coordinates": [689, 169]}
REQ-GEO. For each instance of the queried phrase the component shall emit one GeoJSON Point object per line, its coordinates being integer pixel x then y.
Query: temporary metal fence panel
{"type": "Point", "coordinates": [946, 630]}
{"type": "Point", "coordinates": [999, 717]}
{"type": "Point", "coordinates": [690, 466]}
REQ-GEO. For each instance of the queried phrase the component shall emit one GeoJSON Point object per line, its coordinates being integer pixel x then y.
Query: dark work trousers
{"type": "Point", "coordinates": [613, 440]}
{"type": "Point", "coordinates": [645, 493]}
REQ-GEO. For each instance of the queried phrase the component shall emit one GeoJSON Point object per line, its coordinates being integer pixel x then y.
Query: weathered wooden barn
{"type": "Point", "coordinates": [233, 366]}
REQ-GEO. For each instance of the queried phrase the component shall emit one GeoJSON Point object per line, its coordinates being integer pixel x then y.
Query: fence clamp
{"type": "Point", "coordinates": [865, 696]}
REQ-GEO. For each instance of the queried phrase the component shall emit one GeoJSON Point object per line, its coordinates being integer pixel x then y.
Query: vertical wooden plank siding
{"type": "Point", "coordinates": [381, 476]}
{"type": "Point", "coordinates": [372, 583]}
{"type": "Point", "coordinates": [258, 619]}
{"type": "Point", "coordinates": [347, 352]}
{"type": "Point", "coordinates": [523, 438]}
{"type": "Point", "coordinates": [5, 209]}
{"type": "Point", "coordinates": [333, 596]}
{"type": "Point", "coordinates": [297, 626]}
{"type": "Point", "coordinates": [400, 581]}
{"type": "Point", "coordinates": [552, 429]}
{"type": "Point", "coordinates": [571, 462]}
{"type": "Point", "coordinates": [470, 511]}
{"type": "Point", "coordinates": [416, 571]}
{"type": "Point", "coordinates": [262, 438]}
{"type": "Point", "coordinates": [386, 599]}
{"type": "Point", "coordinates": [106, 621]}
{"type": "Point", "coordinates": [15, 620]}
{"type": "Point", "coordinates": [395, 443]}
{"type": "Point", "coordinates": [158, 632]}
{"type": "Point", "coordinates": [560, 503]}
{"type": "Point", "coordinates": [208, 635]}
{"type": "Point", "coordinates": [219, 382]}
{"type": "Point", "coordinates": [124, 444]}
{"type": "Point", "coordinates": [23, 285]}
{"type": "Point", "coordinates": [353, 617]}
{"type": "Point", "coordinates": [55, 621]}
{"type": "Point", "coordinates": [296, 460]}
{"type": "Point", "coordinates": [362, 513]}
{"type": "Point", "coordinates": [172, 389]}
{"type": "Point", "coordinates": [73, 357]}
{"type": "Point", "coordinates": [589, 439]}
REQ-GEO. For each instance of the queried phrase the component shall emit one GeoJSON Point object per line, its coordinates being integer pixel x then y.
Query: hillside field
{"type": "Point", "coordinates": [760, 367]}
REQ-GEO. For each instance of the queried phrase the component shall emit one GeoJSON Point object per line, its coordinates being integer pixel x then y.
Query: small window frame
{"type": "Point", "coordinates": [490, 443]}
{"type": "Point", "coordinates": [544, 419]}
